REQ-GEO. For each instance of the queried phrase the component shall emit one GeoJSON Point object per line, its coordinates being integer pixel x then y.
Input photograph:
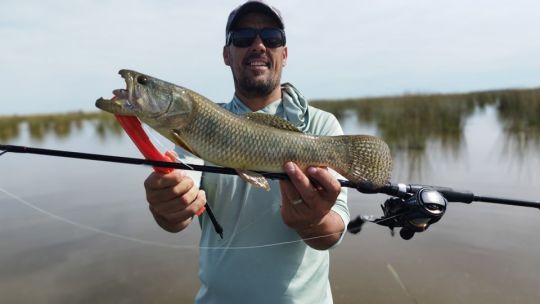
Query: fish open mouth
{"type": "Point", "coordinates": [143, 96]}
{"type": "Point", "coordinates": [118, 104]}
{"type": "Point", "coordinates": [122, 100]}
{"type": "Point", "coordinates": [129, 92]}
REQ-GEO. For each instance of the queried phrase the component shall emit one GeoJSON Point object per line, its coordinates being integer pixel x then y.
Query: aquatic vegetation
{"type": "Point", "coordinates": [519, 114]}
{"type": "Point", "coordinates": [409, 122]}
{"type": "Point", "coordinates": [60, 125]}
{"type": "Point", "coordinates": [9, 128]}
{"type": "Point", "coordinates": [412, 125]}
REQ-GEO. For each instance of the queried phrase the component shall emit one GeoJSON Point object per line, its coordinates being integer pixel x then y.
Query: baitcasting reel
{"type": "Point", "coordinates": [412, 212]}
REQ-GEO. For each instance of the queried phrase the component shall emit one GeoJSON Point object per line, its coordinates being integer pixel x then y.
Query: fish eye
{"type": "Point", "coordinates": [142, 80]}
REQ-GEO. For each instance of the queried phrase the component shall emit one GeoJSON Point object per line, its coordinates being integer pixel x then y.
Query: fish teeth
{"type": "Point", "coordinates": [129, 105]}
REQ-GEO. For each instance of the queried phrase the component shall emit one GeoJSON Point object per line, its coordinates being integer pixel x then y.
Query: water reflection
{"type": "Point", "coordinates": [519, 115]}
{"type": "Point", "coordinates": [57, 125]}
{"type": "Point", "coordinates": [410, 123]}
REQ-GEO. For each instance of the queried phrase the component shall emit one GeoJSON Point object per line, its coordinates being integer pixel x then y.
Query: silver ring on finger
{"type": "Point", "coordinates": [296, 202]}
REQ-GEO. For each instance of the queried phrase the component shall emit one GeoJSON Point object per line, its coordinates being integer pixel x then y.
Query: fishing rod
{"type": "Point", "coordinates": [412, 207]}
{"type": "Point", "coordinates": [139, 161]}
{"type": "Point", "coordinates": [415, 207]}
{"type": "Point", "coordinates": [148, 162]}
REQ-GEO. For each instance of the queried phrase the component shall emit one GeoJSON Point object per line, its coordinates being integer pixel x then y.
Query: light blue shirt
{"type": "Point", "coordinates": [260, 259]}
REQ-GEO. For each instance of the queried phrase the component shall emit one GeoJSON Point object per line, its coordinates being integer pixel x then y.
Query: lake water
{"type": "Point", "coordinates": [76, 231]}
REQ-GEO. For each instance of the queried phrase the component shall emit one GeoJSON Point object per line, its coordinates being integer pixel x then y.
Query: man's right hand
{"type": "Point", "coordinates": [174, 199]}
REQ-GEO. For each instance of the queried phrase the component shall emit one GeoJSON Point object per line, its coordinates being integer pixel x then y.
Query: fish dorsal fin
{"type": "Point", "coordinates": [182, 143]}
{"type": "Point", "coordinates": [272, 121]}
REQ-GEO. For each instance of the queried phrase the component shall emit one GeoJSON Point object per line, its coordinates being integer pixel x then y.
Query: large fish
{"type": "Point", "coordinates": [252, 142]}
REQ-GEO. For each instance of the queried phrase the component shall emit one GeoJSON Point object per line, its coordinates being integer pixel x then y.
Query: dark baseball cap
{"type": "Point", "coordinates": [253, 6]}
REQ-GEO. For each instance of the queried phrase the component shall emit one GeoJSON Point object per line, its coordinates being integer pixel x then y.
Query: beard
{"type": "Point", "coordinates": [252, 87]}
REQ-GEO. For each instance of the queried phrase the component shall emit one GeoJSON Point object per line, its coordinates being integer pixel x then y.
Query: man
{"type": "Point", "coordinates": [274, 249]}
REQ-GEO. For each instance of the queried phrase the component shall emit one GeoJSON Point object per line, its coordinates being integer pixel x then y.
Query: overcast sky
{"type": "Point", "coordinates": [58, 56]}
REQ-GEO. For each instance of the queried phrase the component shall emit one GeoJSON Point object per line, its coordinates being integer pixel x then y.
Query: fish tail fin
{"type": "Point", "coordinates": [368, 160]}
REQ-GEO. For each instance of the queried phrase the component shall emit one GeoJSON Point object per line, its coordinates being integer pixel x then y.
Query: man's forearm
{"type": "Point", "coordinates": [325, 234]}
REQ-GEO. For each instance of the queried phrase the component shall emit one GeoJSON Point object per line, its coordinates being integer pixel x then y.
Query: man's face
{"type": "Point", "coordinates": [256, 69]}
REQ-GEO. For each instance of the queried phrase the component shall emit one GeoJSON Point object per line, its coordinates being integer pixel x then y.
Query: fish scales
{"type": "Point", "coordinates": [235, 142]}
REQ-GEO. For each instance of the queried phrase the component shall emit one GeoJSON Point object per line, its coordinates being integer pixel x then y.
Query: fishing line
{"type": "Point", "coordinates": [152, 134]}
{"type": "Point", "coordinates": [291, 242]}
{"type": "Point", "coordinates": [90, 228]}
{"type": "Point", "coordinates": [147, 242]}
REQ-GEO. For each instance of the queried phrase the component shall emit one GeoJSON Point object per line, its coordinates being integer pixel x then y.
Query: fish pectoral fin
{"type": "Point", "coordinates": [254, 178]}
{"type": "Point", "coordinates": [271, 121]}
{"type": "Point", "coordinates": [182, 143]}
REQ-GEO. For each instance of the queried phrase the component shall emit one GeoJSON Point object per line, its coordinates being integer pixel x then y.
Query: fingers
{"type": "Point", "coordinates": [174, 199]}
{"type": "Point", "coordinates": [299, 179]}
{"type": "Point", "coordinates": [325, 180]}
{"type": "Point", "coordinates": [318, 186]}
{"type": "Point", "coordinates": [308, 197]}
{"type": "Point", "coordinates": [293, 215]}
{"type": "Point", "coordinates": [288, 191]}
{"type": "Point", "coordinates": [299, 187]}
{"type": "Point", "coordinates": [179, 213]}
{"type": "Point", "coordinates": [165, 187]}
{"type": "Point", "coordinates": [157, 181]}
{"type": "Point", "coordinates": [290, 196]}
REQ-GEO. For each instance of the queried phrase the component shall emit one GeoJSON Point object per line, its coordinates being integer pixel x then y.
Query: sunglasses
{"type": "Point", "coordinates": [244, 37]}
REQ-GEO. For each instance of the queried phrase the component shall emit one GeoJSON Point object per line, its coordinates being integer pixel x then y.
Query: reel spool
{"type": "Point", "coordinates": [414, 213]}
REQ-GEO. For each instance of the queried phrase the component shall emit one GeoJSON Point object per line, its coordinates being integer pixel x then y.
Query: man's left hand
{"type": "Point", "coordinates": [307, 200]}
